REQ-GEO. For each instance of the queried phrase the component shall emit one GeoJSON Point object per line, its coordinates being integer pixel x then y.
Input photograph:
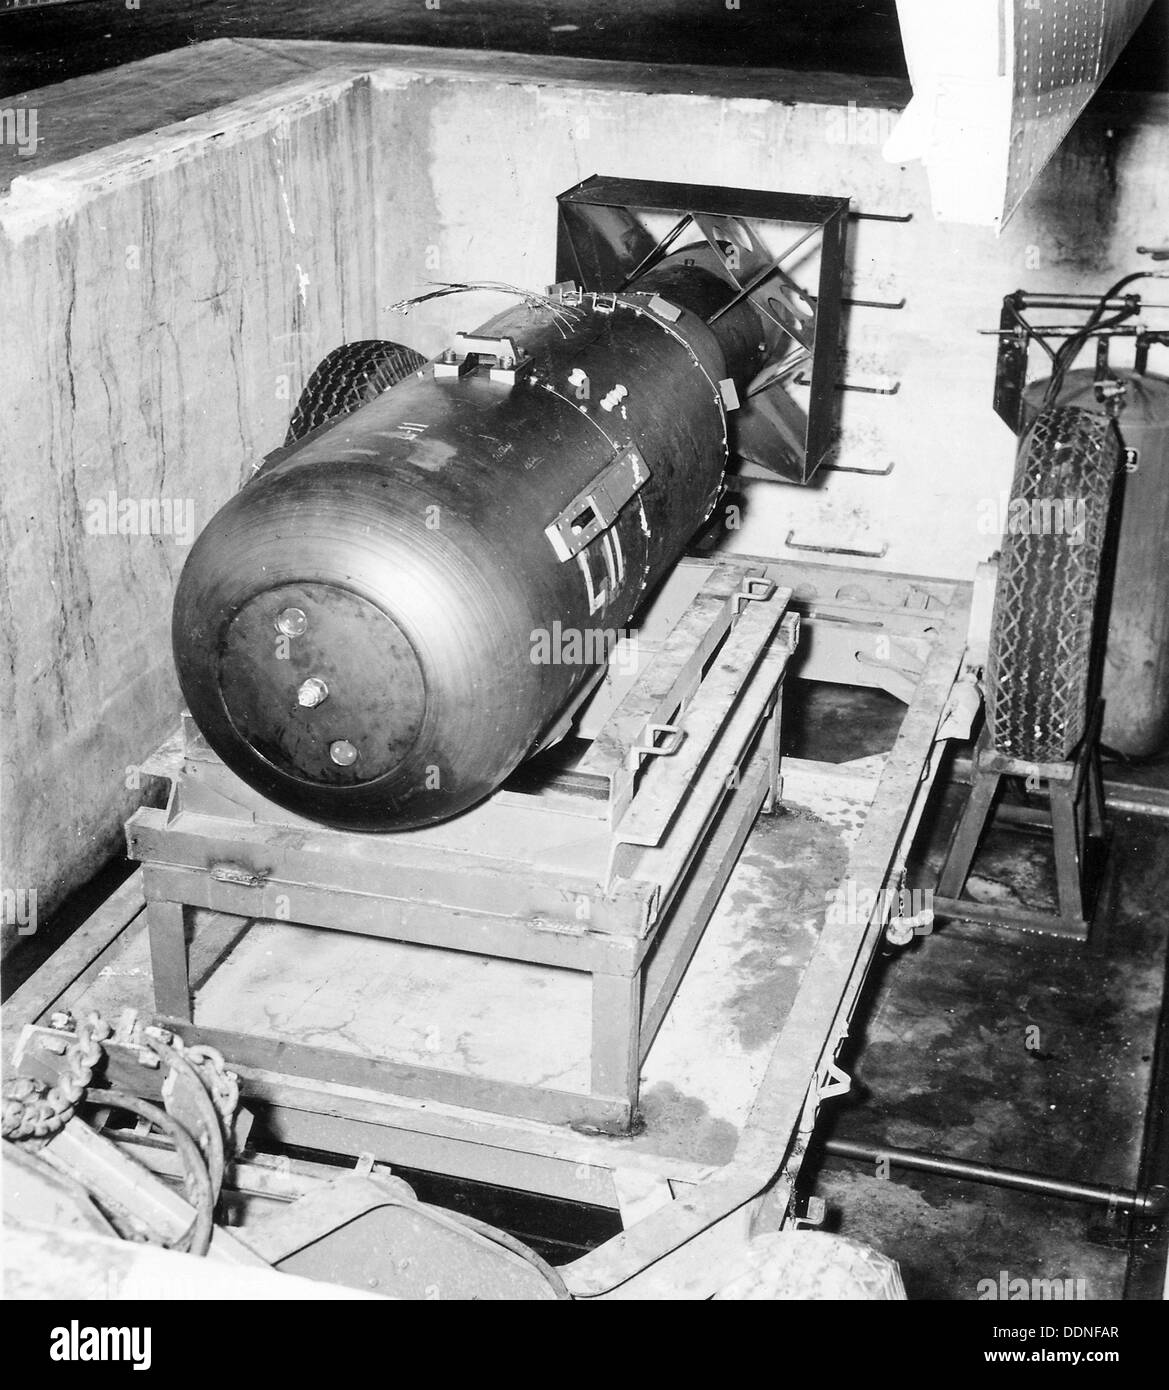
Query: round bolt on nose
{"type": "Point", "coordinates": [343, 753]}
{"type": "Point", "coordinates": [291, 622]}
{"type": "Point", "coordinates": [312, 693]}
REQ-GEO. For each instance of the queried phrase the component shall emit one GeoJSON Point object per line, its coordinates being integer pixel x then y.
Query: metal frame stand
{"type": "Point", "coordinates": [1075, 819]}
{"type": "Point", "coordinates": [683, 754]}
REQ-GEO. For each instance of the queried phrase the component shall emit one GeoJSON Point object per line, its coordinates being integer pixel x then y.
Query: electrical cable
{"type": "Point", "coordinates": [1070, 349]}
{"type": "Point", "coordinates": [196, 1240]}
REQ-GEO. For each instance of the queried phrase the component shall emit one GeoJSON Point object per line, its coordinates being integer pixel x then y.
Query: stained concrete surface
{"type": "Point", "coordinates": [949, 1237]}
{"type": "Point", "coordinates": [855, 36]}
{"type": "Point", "coordinates": [1018, 1050]}
{"type": "Point", "coordinates": [999, 1047]}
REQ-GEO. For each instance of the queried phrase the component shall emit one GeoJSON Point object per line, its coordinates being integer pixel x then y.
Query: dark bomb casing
{"type": "Point", "coordinates": [413, 537]}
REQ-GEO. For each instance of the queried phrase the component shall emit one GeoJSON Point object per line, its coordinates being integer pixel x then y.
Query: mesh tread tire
{"type": "Point", "coordinates": [1041, 656]}
{"type": "Point", "coordinates": [347, 378]}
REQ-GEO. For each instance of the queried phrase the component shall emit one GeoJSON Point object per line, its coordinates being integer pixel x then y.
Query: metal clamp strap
{"type": "Point", "coordinates": [595, 508]}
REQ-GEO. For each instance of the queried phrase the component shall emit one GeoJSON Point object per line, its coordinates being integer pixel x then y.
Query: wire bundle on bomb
{"type": "Point", "coordinates": [562, 314]}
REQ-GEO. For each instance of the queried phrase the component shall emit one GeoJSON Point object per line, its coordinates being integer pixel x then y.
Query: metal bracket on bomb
{"type": "Point", "coordinates": [505, 362]}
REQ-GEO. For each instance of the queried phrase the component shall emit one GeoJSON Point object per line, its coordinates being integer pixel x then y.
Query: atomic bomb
{"type": "Point", "coordinates": [354, 630]}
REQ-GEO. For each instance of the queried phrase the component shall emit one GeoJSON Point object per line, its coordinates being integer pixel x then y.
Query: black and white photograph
{"type": "Point", "coordinates": [584, 668]}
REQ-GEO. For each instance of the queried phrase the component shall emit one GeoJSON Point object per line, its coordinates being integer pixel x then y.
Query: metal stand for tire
{"type": "Point", "coordinates": [1075, 818]}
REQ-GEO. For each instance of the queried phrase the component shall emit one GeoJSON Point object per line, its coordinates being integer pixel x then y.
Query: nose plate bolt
{"type": "Point", "coordinates": [291, 622]}
{"type": "Point", "coordinates": [312, 693]}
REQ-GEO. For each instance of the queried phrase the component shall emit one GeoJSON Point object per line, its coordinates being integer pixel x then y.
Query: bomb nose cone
{"type": "Point", "coordinates": [337, 653]}
{"type": "Point", "coordinates": [346, 675]}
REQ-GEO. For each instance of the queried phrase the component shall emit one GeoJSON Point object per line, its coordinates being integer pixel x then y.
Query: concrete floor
{"type": "Point", "coordinates": [1021, 1051]}
{"type": "Point", "coordinates": [999, 1047]}
{"type": "Point", "coordinates": [47, 45]}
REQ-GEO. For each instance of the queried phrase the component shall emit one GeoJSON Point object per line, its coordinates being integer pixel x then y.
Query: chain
{"type": "Point", "coordinates": [222, 1084]}
{"type": "Point", "coordinates": [32, 1110]}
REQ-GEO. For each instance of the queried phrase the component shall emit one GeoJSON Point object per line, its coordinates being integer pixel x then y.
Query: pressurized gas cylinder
{"type": "Point", "coordinates": [355, 631]}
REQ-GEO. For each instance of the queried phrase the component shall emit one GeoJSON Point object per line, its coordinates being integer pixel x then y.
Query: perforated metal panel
{"type": "Point", "coordinates": [996, 89]}
{"type": "Point", "coordinates": [1062, 51]}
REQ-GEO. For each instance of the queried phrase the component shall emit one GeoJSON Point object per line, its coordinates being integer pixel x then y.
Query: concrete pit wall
{"type": "Point", "coordinates": [167, 297]}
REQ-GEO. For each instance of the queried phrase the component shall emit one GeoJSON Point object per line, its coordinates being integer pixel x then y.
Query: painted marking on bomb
{"type": "Point", "coordinates": [597, 597]}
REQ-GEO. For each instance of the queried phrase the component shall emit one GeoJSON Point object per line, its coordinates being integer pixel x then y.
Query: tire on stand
{"type": "Point", "coordinates": [1042, 666]}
